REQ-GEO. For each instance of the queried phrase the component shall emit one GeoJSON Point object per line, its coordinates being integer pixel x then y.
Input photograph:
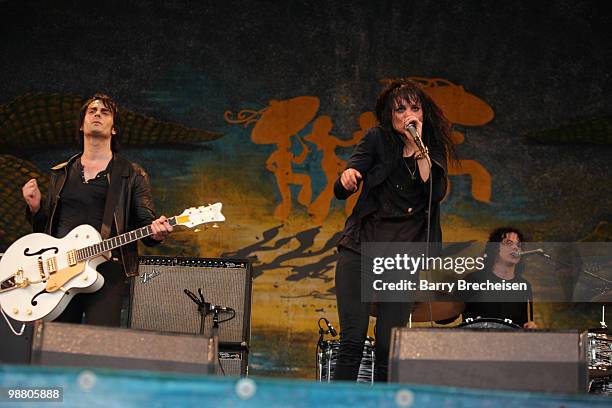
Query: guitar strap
{"type": "Point", "coordinates": [112, 197]}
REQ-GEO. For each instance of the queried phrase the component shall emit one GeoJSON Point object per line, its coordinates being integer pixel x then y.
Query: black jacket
{"type": "Point", "coordinates": [134, 205]}
{"type": "Point", "coordinates": [375, 157]}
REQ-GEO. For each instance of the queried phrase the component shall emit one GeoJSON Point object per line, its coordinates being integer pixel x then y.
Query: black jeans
{"type": "Point", "coordinates": [354, 318]}
{"type": "Point", "coordinates": [101, 308]}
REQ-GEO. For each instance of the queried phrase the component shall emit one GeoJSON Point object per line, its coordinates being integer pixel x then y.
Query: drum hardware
{"type": "Point", "coordinates": [327, 353]}
{"type": "Point", "coordinates": [322, 344]}
{"type": "Point", "coordinates": [326, 361]}
{"type": "Point", "coordinates": [605, 298]}
{"type": "Point", "coordinates": [488, 323]}
{"type": "Point", "coordinates": [599, 356]}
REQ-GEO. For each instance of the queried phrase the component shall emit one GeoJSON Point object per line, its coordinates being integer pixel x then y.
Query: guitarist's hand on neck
{"type": "Point", "coordinates": [161, 228]}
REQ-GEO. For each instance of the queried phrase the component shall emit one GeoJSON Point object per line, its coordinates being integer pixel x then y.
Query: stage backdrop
{"type": "Point", "coordinates": [258, 105]}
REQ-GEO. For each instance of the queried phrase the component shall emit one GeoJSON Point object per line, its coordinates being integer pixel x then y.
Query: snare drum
{"type": "Point", "coordinates": [326, 361]}
{"type": "Point", "coordinates": [489, 323]}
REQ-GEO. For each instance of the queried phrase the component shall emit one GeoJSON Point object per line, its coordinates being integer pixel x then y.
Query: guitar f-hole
{"type": "Point", "coordinates": [33, 301]}
{"type": "Point", "coordinates": [27, 252]}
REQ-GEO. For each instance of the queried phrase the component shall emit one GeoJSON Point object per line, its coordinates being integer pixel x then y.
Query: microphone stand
{"type": "Point", "coordinates": [567, 264]}
{"type": "Point", "coordinates": [204, 309]}
{"type": "Point", "coordinates": [425, 152]}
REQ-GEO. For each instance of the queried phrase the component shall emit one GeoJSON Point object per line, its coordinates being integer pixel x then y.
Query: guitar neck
{"type": "Point", "coordinates": [98, 249]}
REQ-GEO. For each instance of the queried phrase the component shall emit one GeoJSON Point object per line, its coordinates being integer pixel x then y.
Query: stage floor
{"type": "Point", "coordinates": [112, 388]}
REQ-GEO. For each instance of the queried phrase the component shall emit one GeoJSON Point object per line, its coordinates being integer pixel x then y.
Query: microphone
{"type": "Point", "coordinates": [413, 130]}
{"type": "Point", "coordinates": [538, 251]}
{"type": "Point", "coordinates": [332, 331]}
{"type": "Point", "coordinates": [220, 308]}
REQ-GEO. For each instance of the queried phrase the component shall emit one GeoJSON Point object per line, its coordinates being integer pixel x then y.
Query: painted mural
{"type": "Point", "coordinates": [266, 126]}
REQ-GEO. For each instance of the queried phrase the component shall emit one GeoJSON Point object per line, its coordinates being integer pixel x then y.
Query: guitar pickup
{"type": "Point", "coordinates": [71, 257]}
{"type": "Point", "coordinates": [52, 265]}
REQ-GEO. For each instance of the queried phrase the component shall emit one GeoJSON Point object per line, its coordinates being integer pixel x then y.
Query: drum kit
{"type": "Point", "coordinates": [599, 347]}
{"type": "Point", "coordinates": [599, 352]}
{"type": "Point", "coordinates": [327, 351]}
{"type": "Point", "coordinates": [326, 361]}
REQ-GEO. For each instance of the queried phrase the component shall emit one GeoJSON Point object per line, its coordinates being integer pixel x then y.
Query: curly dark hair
{"type": "Point", "coordinates": [436, 127]}
{"type": "Point", "coordinates": [108, 103]}
{"type": "Point", "coordinates": [492, 249]}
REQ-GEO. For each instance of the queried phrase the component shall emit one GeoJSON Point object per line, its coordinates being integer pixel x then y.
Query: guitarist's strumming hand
{"type": "Point", "coordinates": [161, 228]}
{"type": "Point", "coordinates": [31, 194]}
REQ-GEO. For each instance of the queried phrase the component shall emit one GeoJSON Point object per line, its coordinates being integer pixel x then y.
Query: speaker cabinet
{"type": "Point", "coordinates": [77, 345]}
{"type": "Point", "coordinates": [15, 349]}
{"type": "Point", "coordinates": [519, 360]}
{"type": "Point", "coordinates": [158, 301]}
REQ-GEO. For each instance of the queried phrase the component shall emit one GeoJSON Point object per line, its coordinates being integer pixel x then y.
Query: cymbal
{"type": "Point", "coordinates": [603, 298]}
{"type": "Point", "coordinates": [598, 330]}
{"type": "Point", "coordinates": [445, 306]}
{"type": "Point", "coordinates": [439, 310]}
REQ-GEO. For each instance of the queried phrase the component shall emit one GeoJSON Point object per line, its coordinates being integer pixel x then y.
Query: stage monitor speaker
{"type": "Point", "coordinates": [15, 349]}
{"type": "Point", "coordinates": [78, 345]}
{"type": "Point", "coordinates": [159, 303]}
{"type": "Point", "coordinates": [518, 360]}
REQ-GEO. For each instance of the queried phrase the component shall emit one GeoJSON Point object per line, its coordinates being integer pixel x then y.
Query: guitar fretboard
{"type": "Point", "coordinates": [115, 242]}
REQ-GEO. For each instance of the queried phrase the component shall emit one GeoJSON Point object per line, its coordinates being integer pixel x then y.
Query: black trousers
{"type": "Point", "coordinates": [101, 308]}
{"type": "Point", "coordinates": [354, 319]}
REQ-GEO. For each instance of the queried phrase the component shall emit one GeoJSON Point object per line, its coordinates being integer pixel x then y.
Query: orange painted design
{"type": "Point", "coordinates": [462, 108]}
{"type": "Point", "coordinates": [367, 120]}
{"type": "Point", "coordinates": [276, 124]}
{"type": "Point", "coordinates": [331, 164]}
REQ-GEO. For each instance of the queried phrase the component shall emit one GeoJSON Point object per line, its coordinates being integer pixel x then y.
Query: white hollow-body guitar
{"type": "Point", "coordinates": [39, 274]}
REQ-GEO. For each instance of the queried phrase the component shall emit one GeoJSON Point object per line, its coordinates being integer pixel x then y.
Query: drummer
{"type": "Point", "coordinates": [502, 263]}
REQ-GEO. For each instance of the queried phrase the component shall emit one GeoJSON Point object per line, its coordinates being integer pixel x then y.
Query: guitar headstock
{"type": "Point", "coordinates": [192, 217]}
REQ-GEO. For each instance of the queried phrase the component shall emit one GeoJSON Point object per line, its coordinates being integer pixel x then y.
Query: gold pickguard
{"type": "Point", "coordinates": [59, 278]}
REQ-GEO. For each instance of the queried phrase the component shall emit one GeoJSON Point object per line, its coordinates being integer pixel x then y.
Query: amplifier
{"type": "Point", "coordinates": [519, 360]}
{"type": "Point", "coordinates": [233, 362]}
{"type": "Point", "coordinates": [79, 345]}
{"type": "Point", "coordinates": [158, 301]}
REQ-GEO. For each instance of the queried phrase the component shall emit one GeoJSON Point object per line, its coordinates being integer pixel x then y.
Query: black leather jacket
{"type": "Point", "coordinates": [375, 157]}
{"type": "Point", "coordinates": [134, 205]}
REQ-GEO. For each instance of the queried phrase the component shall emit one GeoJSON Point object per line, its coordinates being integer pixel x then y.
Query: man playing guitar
{"type": "Point", "coordinates": [100, 188]}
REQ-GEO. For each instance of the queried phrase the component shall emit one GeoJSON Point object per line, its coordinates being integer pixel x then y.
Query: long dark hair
{"type": "Point", "coordinates": [436, 127]}
{"type": "Point", "coordinates": [108, 103]}
{"type": "Point", "coordinates": [493, 247]}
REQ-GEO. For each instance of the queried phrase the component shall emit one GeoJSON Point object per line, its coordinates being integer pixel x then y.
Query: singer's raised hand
{"type": "Point", "coordinates": [349, 179]}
